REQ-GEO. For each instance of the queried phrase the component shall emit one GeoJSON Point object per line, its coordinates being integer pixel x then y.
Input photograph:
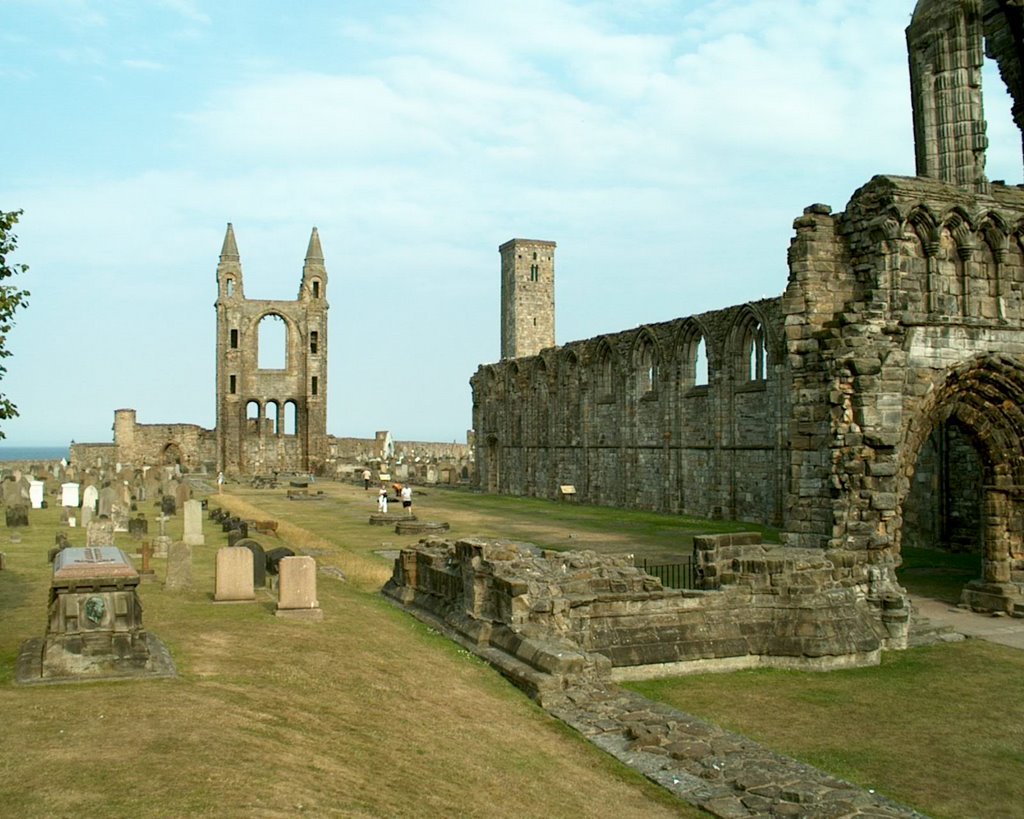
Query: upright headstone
{"type": "Point", "coordinates": [297, 589]}
{"type": "Point", "coordinates": [99, 533]}
{"type": "Point", "coordinates": [87, 514]}
{"type": "Point", "coordinates": [90, 497]}
{"type": "Point", "coordinates": [69, 495]}
{"type": "Point", "coordinates": [120, 512]}
{"type": "Point", "coordinates": [194, 523]}
{"type": "Point", "coordinates": [108, 497]}
{"type": "Point", "coordinates": [167, 505]}
{"type": "Point", "coordinates": [234, 575]}
{"type": "Point", "coordinates": [182, 494]}
{"type": "Point", "coordinates": [12, 493]}
{"type": "Point", "coordinates": [179, 567]}
{"type": "Point", "coordinates": [259, 561]}
{"type": "Point", "coordinates": [35, 493]}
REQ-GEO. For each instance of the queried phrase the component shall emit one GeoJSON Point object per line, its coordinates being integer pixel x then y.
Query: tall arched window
{"type": "Point", "coordinates": [272, 341]}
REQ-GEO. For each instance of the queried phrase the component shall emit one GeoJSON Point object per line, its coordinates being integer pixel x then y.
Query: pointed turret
{"type": "Point", "coordinates": [314, 253]}
{"type": "Point", "coordinates": [229, 268]}
{"type": "Point", "coordinates": [229, 251]}
{"type": "Point", "coordinates": [314, 274]}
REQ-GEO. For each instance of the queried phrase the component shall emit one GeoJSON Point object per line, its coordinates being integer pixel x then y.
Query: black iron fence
{"type": "Point", "coordinates": [679, 575]}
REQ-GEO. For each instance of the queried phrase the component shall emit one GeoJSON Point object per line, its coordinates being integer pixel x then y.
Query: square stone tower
{"type": "Point", "coordinates": [271, 419]}
{"type": "Point", "coordinates": [527, 297]}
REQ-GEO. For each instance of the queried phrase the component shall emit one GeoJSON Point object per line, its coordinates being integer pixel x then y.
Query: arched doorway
{"type": "Point", "coordinates": [963, 497]}
{"type": "Point", "coordinates": [171, 454]}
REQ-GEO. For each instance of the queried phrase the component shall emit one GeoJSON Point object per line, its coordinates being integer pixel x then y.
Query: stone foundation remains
{"type": "Point", "coordinates": [554, 620]}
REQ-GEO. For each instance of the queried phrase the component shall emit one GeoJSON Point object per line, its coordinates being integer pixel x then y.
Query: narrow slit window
{"type": "Point", "coordinates": [316, 288]}
{"type": "Point", "coordinates": [314, 338]}
{"type": "Point", "coordinates": [234, 339]}
{"type": "Point", "coordinates": [316, 384]}
{"type": "Point", "coordinates": [232, 384]}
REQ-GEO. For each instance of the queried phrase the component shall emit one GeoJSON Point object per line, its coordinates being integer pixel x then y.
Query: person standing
{"type": "Point", "coordinates": [220, 482]}
{"type": "Point", "coordinates": [407, 499]}
{"type": "Point", "coordinates": [382, 501]}
{"type": "Point", "coordinates": [366, 479]}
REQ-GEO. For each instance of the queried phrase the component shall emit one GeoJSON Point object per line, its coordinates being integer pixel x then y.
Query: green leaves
{"type": "Point", "coordinates": [11, 298]}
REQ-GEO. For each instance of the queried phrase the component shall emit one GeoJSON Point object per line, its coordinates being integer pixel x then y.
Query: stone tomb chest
{"type": "Point", "coordinates": [94, 625]}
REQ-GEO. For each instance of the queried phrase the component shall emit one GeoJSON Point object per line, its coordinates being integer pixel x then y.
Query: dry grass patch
{"type": "Point", "coordinates": [368, 713]}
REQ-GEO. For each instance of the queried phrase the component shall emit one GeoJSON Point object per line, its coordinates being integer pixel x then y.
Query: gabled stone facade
{"type": "Point", "coordinates": [271, 419]}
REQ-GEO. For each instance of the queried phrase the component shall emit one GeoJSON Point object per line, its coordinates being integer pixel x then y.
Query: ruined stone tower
{"type": "Point", "coordinates": [271, 419]}
{"type": "Point", "coordinates": [527, 297]}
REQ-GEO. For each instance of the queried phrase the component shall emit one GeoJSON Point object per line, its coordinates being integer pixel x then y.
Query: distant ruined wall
{"type": "Point", "coordinates": [683, 416]}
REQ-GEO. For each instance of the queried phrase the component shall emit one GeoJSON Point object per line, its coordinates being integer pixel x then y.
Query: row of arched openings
{"type": "Point", "coordinates": [272, 417]}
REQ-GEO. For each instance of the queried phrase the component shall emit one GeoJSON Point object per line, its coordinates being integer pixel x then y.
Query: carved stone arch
{"type": "Point", "coordinates": [746, 346]}
{"type": "Point", "coordinates": [604, 369]}
{"type": "Point", "coordinates": [692, 357]}
{"type": "Point", "coordinates": [994, 231]}
{"type": "Point", "coordinates": [961, 227]}
{"type": "Point", "coordinates": [983, 398]}
{"type": "Point", "coordinates": [646, 357]}
{"type": "Point", "coordinates": [923, 222]}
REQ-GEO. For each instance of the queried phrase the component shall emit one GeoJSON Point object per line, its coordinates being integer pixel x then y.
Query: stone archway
{"type": "Point", "coordinates": [172, 455]}
{"type": "Point", "coordinates": [982, 402]}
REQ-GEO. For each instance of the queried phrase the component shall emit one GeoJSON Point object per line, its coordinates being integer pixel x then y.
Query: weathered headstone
{"type": "Point", "coordinates": [119, 514]}
{"type": "Point", "coordinates": [138, 526]}
{"type": "Point", "coordinates": [297, 589]}
{"type": "Point", "coordinates": [179, 567]}
{"type": "Point", "coordinates": [168, 505]}
{"type": "Point", "coordinates": [35, 493]}
{"type": "Point", "coordinates": [12, 492]}
{"type": "Point", "coordinates": [234, 575]}
{"type": "Point", "coordinates": [259, 561]}
{"type": "Point", "coordinates": [90, 497]}
{"type": "Point", "coordinates": [87, 514]}
{"type": "Point", "coordinates": [107, 498]}
{"type": "Point", "coordinates": [100, 533]}
{"type": "Point", "coordinates": [161, 545]}
{"type": "Point", "coordinates": [17, 516]}
{"type": "Point", "coordinates": [194, 523]}
{"type": "Point", "coordinates": [182, 494]}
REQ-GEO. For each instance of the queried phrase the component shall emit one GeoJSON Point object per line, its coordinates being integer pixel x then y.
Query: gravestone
{"type": "Point", "coordinates": [138, 526]}
{"type": "Point", "coordinates": [108, 496]}
{"type": "Point", "coordinates": [95, 626]}
{"type": "Point", "coordinates": [194, 523]}
{"type": "Point", "coordinates": [179, 567]}
{"type": "Point", "coordinates": [161, 544]}
{"type": "Point", "coordinates": [234, 575]}
{"type": "Point", "coordinates": [12, 493]}
{"type": "Point", "coordinates": [182, 494]}
{"type": "Point", "coordinates": [69, 495]}
{"type": "Point", "coordinates": [296, 586]}
{"type": "Point", "coordinates": [259, 561]}
{"type": "Point", "coordinates": [35, 494]}
{"type": "Point", "coordinates": [119, 514]}
{"type": "Point", "coordinates": [100, 533]}
{"type": "Point", "coordinates": [275, 556]}
{"type": "Point", "coordinates": [90, 497]}
{"type": "Point", "coordinates": [17, 516]}
{"type": "Point", "coordinates": [87, 514]}
{"type": "Point", "coordinates": [168, 505]}
{"type": "Point", "coordinates": [234, 536]}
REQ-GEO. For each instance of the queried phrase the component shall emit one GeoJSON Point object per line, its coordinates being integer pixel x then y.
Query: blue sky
{"type": "Point", "coordinates": [665, 146]}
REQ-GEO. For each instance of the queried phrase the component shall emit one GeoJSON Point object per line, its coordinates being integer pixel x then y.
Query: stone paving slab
{"type": "Point", "coordinates": [724, 773]}
{"type": "Point", "coordinates": [1005, 630]}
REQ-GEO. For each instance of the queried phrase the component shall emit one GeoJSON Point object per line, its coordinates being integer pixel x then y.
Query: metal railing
{"type": "Point", "coordinates": [681, 575]}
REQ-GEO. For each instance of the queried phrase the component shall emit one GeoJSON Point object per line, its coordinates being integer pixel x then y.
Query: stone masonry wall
{"type": "Point", "coordinates": [557, 617]}
{"type": "Point", "coordinates": [682, 416]}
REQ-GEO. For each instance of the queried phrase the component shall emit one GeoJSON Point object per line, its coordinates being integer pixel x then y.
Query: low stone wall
{"type": "Point", "coordinates": [552, 619]}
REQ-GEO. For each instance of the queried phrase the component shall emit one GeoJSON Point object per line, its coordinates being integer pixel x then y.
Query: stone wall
{"type": "Point", "coordinates": [555, 618]}
{"type": "Point", "coordinates": [683, 416]}
{"type": "Point", "coordinates": [189, 445]}
{"type": "Point", "coordinates": [903, 315]}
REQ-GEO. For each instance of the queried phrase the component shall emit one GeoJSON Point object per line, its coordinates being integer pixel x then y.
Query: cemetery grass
{"type": "Point", "coordinates": [368, 713]}
{"type": "Point", "coordinates": [936, 728]}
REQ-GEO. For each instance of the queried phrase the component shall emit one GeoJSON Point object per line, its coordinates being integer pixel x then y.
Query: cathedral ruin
{"type": "Point", "coordinates": [876, 402]}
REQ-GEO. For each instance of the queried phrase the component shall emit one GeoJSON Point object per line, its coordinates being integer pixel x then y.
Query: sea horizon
{"type": "Point", "coordinates": [34, 453]}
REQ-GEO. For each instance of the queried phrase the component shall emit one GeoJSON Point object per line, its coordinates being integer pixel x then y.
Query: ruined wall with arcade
{"type": "Point", "coordinates": [684, 416]}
